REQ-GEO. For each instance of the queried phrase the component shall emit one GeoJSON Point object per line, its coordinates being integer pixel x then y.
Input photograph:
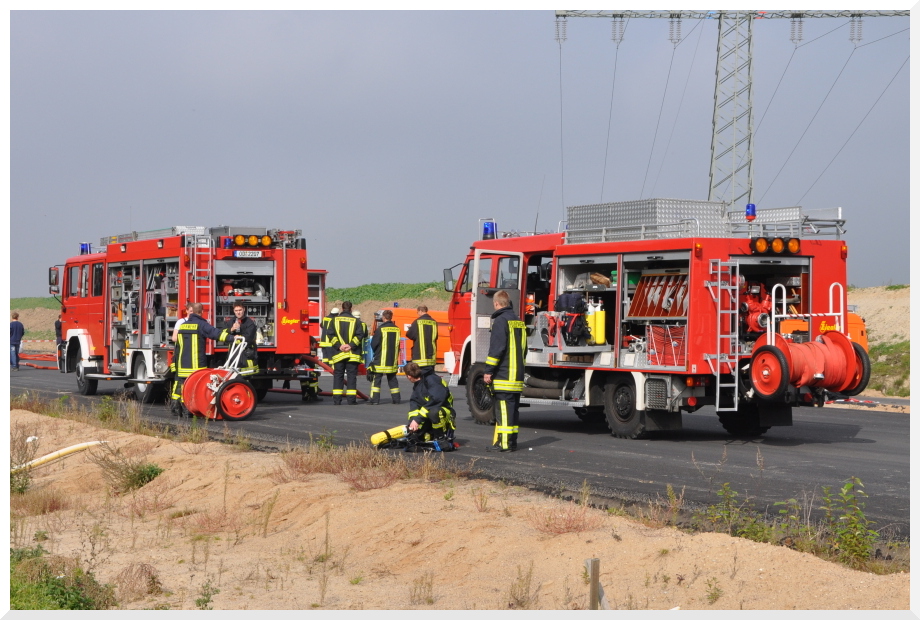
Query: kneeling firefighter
{"type": "Point", "coordinates": [431, 419]}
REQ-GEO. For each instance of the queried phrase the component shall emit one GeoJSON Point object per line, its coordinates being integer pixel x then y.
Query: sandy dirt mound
{"type": "Point", "coordinates": [887, 313]}
{"type": "Point", "coordinates": [219, 516]}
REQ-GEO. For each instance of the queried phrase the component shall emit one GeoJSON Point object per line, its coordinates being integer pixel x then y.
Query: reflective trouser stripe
{"type": "Point", "coordinates": [338, 392]}
{"type": "Point", "coordinates": [393, 390]}
{"type": "Point", "coordinates": [176, 391]}
{"type": "Point", "coordinates": [351, 392]}
{"type": "Point", "coordinates": [504, 385]}
{"type": "Point", "coordinates": [375, 390]}
{"type": "Point", "coordinates": [503, 430]}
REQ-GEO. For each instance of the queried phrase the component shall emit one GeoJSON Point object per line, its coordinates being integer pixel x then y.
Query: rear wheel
{"type": "Point", "coordinates": [623, 419]}
{"type": "Point", "coordinates": [261, 387]}
{"type": "Point", "coordinates": [479, 395]}
{"type": "Point", "coordinates": [236, 399]}
{"type": "Point", "coordinates": [769, 373]}
{"type": "Point", "coordinates": [145, 392]}
{"type": "Point", "coordinates": [85, 386]}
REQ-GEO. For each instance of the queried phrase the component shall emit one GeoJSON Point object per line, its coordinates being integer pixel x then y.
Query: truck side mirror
{"type": "Point", "coordinates": [53, 274]}
{"type": "Point", "coordinates": [449, 280]}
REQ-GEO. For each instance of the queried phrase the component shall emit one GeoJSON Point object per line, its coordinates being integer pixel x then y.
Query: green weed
{"type": "Point", "coordinates": [38, 582]}
{"type": "Point", "coordinates": [207, 593]}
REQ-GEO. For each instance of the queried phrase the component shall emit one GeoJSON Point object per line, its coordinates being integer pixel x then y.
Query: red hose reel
{"type": "Point", "coordinates": [831, 361]}
{"type": "Point", "coordinates": [221, 393]}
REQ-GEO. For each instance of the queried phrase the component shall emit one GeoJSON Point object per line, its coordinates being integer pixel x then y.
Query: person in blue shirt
{"type": "Point", "coordinates": [17, 331]}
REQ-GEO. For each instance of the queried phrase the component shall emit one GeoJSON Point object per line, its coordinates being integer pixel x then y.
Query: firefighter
{"type": "Point", "coordinates": [365, 344]}
{"type": "Point", "coordinates": [432, 415]}
{"type": "Point", "coordinates": [309, 387]}
{"type": "Point", "coordinates": [424, 336]}
{"type": "Point", "coordinates": [385, 345]}
{"type": "Point", "coordinates": [344, 338]}
{"type": "Point", "coordinates": [246, 327]}
{"type": "Point", "coordinates": [505, 373]}
{"type": "Point", "coordinates": [190, 350]}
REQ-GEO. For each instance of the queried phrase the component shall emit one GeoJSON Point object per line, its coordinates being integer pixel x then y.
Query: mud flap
{"type": "Point", "coordinates": [661, 420]}
{"type": "Point", "coordinates": [774, 414]}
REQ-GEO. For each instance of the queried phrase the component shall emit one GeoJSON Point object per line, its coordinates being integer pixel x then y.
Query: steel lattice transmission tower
{"type": "Point", "coordinates": [731, 168]}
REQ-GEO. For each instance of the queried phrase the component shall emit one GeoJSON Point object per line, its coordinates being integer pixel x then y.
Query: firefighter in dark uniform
{"type": "Point", "coordinates": [507, 349]}
{"type": "Point", "coordinates": [344, 338]}
{"type": "Point", "coordinates": [424, 336]}
{"type": "Point", "coordinates": [246, 327]}
{"type": "Point", "coordinates": [385, 345]}
{"type": "Point", "coordinates": [432, 414]}
{"type": "Point", "coordinates": [190, 350]}
{"type": "Point", "coordinates": [309, 386]}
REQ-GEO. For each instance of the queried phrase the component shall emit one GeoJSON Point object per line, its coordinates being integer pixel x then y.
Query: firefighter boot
{"type": "Point", "coordinates": [396, 399]}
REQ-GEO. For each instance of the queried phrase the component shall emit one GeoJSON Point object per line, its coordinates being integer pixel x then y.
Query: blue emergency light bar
{"type": "Point", "coordinates": [86, 248]}
{"type": "Point", "coordinates": [488, 230]}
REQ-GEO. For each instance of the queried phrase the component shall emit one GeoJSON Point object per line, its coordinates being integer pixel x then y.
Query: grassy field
{"type": "Point", "coordinates": [388, 292]}
{"type": "Point", "coordinates": [28, 303]}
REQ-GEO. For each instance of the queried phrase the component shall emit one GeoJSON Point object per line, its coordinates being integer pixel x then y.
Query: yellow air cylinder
{"type": "Point", "coordinates": [599, 327]}
{"type": "Point", "coordinates": [393, 433]}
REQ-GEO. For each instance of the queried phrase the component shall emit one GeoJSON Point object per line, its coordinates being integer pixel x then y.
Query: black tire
{"type": "Point", "coordinates": [623, 419]}
{"type": "Point", "coordinates": [86, 387]}
{"type": "Point", "coordinates": [262, 386]}
{"type": "Point", "coordinates": [743, 423]}
{"type": "Point", "coordinates": [145, 392]}
{"type": "Point", "coordinates": [768, 361]}
{"type": "Point", "coordinates": [479, 395]}
{"type": "Point", "coordinates": [863, 359]}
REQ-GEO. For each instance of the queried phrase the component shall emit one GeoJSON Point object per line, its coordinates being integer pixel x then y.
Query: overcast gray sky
{"type": "Point", "coordinates": [384, 136]}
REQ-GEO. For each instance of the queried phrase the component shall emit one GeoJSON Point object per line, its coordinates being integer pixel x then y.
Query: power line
{"type": "Point", "coordinates": [618, 34]}
{"type": "Point", "coordinates": [658, 123]}
{"type": "Point", "coordinates": [823, 101]}
{"type": "Point", "coordinates": [855, 130]}
{"type": "Point", "coordinates": [680, 104]}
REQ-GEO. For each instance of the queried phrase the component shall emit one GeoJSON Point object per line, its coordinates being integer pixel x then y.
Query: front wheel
{"type": "Point", "coordinates": [86, 387]}
{"type": "Point", "coordinates": [623, 419]}
{"type": "Point", "coordinates": [144, 392]}
{"type": "Point", "coordinates": [479, 395]}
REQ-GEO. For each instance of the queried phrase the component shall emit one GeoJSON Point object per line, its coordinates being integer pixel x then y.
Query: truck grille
{"type": "Point", "coordinates": [656, 394]}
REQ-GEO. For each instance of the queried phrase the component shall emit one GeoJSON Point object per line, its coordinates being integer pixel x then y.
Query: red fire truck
{"type": "Point", "coordinates": [119, 303]}
{"type": "Point", "coordinates": [640, 311]}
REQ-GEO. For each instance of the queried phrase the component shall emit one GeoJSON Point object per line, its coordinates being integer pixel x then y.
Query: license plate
{"type": "Point", "coordinates": [247, 253]}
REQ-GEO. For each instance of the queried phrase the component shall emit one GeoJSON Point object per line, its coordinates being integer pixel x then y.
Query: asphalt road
{"type": "Point", "coordinates": [557, 451]}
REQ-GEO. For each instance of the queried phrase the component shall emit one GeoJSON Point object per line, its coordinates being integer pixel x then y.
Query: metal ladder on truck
{"type": "Point", "coordinates": [201, 288]}
{"type": "Point", "coordinates": [724, 289]}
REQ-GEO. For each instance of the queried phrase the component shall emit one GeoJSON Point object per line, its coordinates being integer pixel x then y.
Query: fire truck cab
{"type": "Point", "coordinates": [120, 303]}
{"type": "Point", "coordinates": [644, 310]}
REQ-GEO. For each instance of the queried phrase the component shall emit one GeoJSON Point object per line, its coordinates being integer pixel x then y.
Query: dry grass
{"type": "Point", "coordinates": [136, 581]}
{"type": "Point", "coordinates": [123, 470]}
{"type": "Point", "coordinates": [522, 594]}
{"type": "Point", "coordinates": [152, 497]}
{"type": "Point", "coordinates": [566, 517]}
{"type": "Point", "coordinates": [363, 467]}
{"type": "Point", "coordinates": [36, 502]}
{"type": "Point", "coordinates": [23, 448]}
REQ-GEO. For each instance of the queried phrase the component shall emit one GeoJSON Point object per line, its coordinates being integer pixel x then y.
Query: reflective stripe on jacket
{"type": "Point", "coordinates": [345, 329]}
{"type": "Point", "coordinates": [190, 345]}
{"type": "Point", "coordinates": [385, 345]}
{"type": "Point", "coordinates": [507, 349]}
{"type": "Point", "coordinates": [424, 336]}
{"type": "Point", "coordinates": [432, 401]}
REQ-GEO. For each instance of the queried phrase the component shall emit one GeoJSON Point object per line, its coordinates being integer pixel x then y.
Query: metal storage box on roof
{"type": "Point", "coordinates": [652, 218]}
